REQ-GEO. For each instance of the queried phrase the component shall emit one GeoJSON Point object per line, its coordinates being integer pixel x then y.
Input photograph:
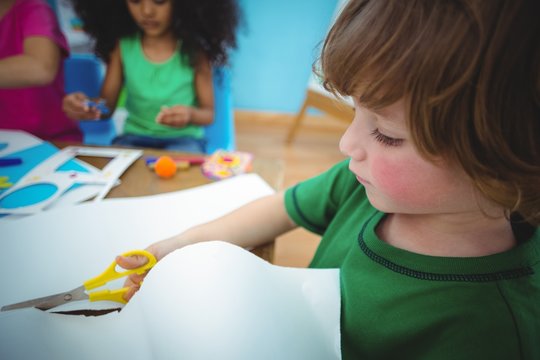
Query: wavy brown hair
{"type": "Point", "coordinates": [205, 26]}
{"type": "Point", "coordinates": [469, 72]}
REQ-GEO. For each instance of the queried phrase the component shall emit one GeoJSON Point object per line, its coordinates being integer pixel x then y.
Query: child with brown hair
{"type": "Point", "coordinates": [433, 221]}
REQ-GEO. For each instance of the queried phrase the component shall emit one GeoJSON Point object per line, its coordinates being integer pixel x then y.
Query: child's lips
{"type": "Point", "coordinates": [149, 24]}
{"type": "Point", "coordinates": [362, 180]}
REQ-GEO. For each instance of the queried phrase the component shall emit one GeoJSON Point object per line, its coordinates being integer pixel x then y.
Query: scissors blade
{"type": "Point", "coordinates": [48, 302]}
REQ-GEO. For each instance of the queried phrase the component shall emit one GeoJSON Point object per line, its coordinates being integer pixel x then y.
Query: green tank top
{"type": "Point", "coordinates": [150, 85]}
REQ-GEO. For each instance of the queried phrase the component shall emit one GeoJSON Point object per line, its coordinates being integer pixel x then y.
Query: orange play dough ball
{"type": "Point", "coordinates": [165, 167]}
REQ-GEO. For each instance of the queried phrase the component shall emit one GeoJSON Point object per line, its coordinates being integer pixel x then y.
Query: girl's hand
{"type": "Point", "coordinates": [75, 107]}
{"type": "Point", "coordinates": [176, 116]}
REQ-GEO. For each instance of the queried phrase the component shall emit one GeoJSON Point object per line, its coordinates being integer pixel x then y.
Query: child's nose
{"type": "Point", "coordinates": [351, 146]}
{"type": "Point", "coordinates": [147, 8]}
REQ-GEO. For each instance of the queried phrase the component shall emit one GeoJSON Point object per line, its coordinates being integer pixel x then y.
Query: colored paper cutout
{"type": "Point", "coordinates": [45, 166]}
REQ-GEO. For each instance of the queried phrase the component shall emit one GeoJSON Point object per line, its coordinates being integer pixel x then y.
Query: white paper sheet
{"type": "Point", "coordinates": [206, 301]}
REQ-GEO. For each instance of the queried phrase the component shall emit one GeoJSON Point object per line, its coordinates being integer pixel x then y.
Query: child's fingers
{"type": "Point", "coordinates": [129, 294]}
{"type": "Point", "coordinates": [166, 120]}
{"type": "Point", "coordinates": [176, 116]}
{"type": "Point", "coordinates": [159, 117]}
{"type": "Point", "coordinates": [78, 100]}
{"type": "Point", "coordinates": [164, 111]}
{"type": "Point", "coordinates": [133, 281]}
{"type": "Point", "coordinates": [131, 262]}
{"type": "Point", "coordinates": [75, 108]}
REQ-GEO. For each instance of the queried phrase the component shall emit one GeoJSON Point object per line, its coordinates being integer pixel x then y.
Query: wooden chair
{"type": "Point", "coordinates": [317, 97]}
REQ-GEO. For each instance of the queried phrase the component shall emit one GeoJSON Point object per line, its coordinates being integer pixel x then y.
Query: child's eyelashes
{"type": "Point", "coordinates": [385, 140]}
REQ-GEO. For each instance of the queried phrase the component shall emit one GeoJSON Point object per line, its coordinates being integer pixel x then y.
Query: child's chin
{"type": "Point", "coordinates": [380, 204]}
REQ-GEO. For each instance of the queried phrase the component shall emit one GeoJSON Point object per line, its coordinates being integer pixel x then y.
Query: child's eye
{"type": "Point", "coordinates": [386, 140]}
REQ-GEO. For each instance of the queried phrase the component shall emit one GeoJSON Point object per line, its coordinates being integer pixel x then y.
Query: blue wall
{"type": "Point", "coordinates": [277, 46]}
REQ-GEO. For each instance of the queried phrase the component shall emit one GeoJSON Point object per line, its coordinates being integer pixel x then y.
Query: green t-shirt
{"type": "Point", "coordinates": [150, 85]}
{"type": "Point", "coordinates": [401, 305]}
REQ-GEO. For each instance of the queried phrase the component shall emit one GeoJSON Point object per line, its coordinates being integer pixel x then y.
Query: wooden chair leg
{"type": "Point", "coordinates": [296, 124]}
{"type": "Point", "coordinates": [327, 104]}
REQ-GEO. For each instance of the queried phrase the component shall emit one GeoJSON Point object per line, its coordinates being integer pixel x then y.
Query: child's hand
{"type": "Point", "coordinates": [76, 108]}
{"type": "Point", "coordinates": [134, 280]}
{"type": "Point", "coordinates": [175, 116]}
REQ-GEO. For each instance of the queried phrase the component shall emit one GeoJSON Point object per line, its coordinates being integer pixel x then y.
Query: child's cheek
{"type": "Point", "coordinates": [401, 181]}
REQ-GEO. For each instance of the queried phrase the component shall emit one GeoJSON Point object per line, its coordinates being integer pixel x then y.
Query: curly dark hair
{"type": "Point", "coordinates": [205, 26]}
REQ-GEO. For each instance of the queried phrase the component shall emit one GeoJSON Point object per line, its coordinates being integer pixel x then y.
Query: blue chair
{"type": "Point", "coordinates": [84, 72]}
{"type": "Point", "coordinates": [221, 133]}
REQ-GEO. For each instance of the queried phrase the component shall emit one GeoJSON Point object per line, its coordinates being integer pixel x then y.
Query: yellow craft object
{"type": "Point", "coordinates": [4, 182]}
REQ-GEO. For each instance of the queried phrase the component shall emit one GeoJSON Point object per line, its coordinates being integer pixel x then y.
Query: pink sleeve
{"type": "Point", "coordinates": [39, 19]}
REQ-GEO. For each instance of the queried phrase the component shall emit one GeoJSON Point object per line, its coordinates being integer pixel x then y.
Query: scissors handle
{"type": "Point", "coordinates": [111, 274]}
{"type": "Point", "coordinates": [110, 295]}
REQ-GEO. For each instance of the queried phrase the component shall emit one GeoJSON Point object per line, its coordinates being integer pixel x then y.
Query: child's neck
{"type": "Point", "coordinates": [159, 48]}
{"type": "Point", "coordinates": [450, 235]}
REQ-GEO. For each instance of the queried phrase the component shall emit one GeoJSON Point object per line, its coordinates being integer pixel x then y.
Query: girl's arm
{"type": "Point", "coordinates": [180, 116]}
{"type": "Point", "coordinates": [36, 66]}
{"type": "Point", "coordinates": [74, 104]}
{"type": "Point", "coordinates": [204, 114]}
{"type": "Point", "coordinates": [114, 80]}
{"type": "Point", "coordinates": [253, 224]}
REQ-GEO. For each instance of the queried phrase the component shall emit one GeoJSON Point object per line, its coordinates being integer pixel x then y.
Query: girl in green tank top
{"type": "Point", "coordinates": [161, 52]}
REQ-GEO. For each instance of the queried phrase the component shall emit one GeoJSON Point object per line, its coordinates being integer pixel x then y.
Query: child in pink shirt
{"type": "Point", "coordinates": [32, 50]}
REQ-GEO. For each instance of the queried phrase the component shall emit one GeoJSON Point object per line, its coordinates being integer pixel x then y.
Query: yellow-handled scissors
{"type": "Point", "coordinates": [80, 293]}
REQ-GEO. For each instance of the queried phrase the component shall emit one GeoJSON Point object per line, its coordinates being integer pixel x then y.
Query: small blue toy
{"type": "Point", "coordinates": [99, 105]}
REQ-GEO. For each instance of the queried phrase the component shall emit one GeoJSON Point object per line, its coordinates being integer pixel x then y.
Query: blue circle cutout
{"type": "Point", "coordinates": [28, 195]}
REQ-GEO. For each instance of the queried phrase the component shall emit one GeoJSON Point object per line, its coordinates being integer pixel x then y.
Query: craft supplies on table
{"type": "Point", "coordinates": [224, 164]}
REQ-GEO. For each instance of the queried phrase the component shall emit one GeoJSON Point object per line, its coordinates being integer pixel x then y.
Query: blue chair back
{"type": "Point", "coordinates": [221, 133]}
{"type": "Point", "coordinates": [84, 72]}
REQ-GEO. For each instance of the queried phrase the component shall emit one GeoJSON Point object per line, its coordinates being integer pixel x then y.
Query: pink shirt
{"type": "Point", "coordinates": [38, 109]}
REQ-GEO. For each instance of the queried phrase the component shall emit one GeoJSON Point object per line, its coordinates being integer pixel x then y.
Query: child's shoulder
{"type": "Point", "coordinates": [129, 42]}
{"type": "Point", "coordinates": [130, 39]}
